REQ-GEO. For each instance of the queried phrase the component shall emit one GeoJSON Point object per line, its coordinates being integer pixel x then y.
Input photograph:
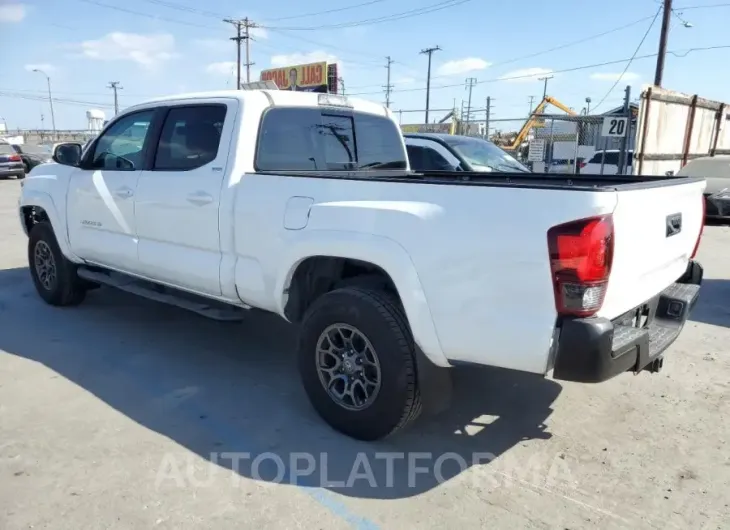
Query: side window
{"type": "Point", "coordinates": [416, 157]}
{"type": "Point", "coordinates": [120, 147]}
{"type": "Point", "coordinates": [190, 137]}
{"type": "Point", "coordinates": [436, 161]}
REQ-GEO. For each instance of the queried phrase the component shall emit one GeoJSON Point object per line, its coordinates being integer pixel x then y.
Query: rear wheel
{"type": "Point", "coordinates": [357, 362]}
{"type": "Point", "coordinates": [53, 275]}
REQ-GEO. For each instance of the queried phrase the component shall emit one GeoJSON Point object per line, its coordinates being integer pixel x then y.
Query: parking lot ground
{"type": "Point", "coordinates": [123, 413]}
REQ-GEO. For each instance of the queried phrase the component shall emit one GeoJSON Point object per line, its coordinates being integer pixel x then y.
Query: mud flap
{"type": "Point", "coordinates": [434, 383]}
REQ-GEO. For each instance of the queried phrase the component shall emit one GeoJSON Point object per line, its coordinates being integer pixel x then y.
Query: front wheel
{"type": "Point", "coordinates": [53, 275]}
{"type": "Point", "coordinates": [357, 362]}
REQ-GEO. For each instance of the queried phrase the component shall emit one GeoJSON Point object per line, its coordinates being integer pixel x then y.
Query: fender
{"type": "Point", "coordinates": [378, 250]}
{"type": "Point", "coordinates": [30, 197]}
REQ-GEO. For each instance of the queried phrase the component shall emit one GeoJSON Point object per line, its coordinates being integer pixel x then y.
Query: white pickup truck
{"type": "Point", "coordinates": [304, 205]}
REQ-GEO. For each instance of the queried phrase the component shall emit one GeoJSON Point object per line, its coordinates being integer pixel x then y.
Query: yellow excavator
{"type": "Point", "coordinates": [535, 121]}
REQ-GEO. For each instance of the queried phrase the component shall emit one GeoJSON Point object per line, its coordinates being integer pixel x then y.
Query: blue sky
{"type": "Point", "coordinates": [158, 47]}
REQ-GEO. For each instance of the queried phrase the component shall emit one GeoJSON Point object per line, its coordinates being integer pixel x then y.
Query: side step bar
{"type": "Point", "coordinates": [166, 295]}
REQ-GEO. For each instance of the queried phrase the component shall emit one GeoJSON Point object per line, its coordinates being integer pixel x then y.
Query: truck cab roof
{"type": "Point", "coordinates": [276, 98]}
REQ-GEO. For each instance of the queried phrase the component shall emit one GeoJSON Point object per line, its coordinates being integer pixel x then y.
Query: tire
{"type": "Point", "coordinates": [377, 316]}
{"type": "Point", "coordinates": [65, 288]}
{"type": "Point", "coordinates": [21, 176]}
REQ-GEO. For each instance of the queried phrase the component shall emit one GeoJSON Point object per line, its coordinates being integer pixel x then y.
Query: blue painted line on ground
{"type": "Point", "coordinates": [146, 379]}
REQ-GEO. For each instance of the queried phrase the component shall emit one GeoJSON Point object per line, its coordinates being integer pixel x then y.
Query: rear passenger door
{"type": "Point", "coordinates": [178, 200]}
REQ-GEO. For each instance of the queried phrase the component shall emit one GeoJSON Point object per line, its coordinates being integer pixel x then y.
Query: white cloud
{"type": "Point", "coordinates": [526, 74]}
{"type": "Point", "coordinates": [628, 76]}
{"type": "Point", "coordinates": [221, 68]}
{"type": "Point", "coordinates": [302, 58]}
{"type": "Point", "coordinates": [462, 66]}
{"type": "Point", "coordinates": [146, 50]}
{"type": "Point", "coordinates": [12, 12]}
{"type": "Point", "coordinates": [47, 68]}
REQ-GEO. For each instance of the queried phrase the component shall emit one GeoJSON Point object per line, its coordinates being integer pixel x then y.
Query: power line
{"type": "Point", "coordinates": [676, 53]}
{"type": "Point", "coordinates": [388, 18]}
{"type": "Point", "coordinates": [147, 15]}
{"type": "Point", "coordinates": [185, 9]}
{"type": "Point", "coordinates": [631, 60]}
{"type": "Point", "coordinates": [327, 12]}
{"type": "Point", "coordinates": [331, 46]}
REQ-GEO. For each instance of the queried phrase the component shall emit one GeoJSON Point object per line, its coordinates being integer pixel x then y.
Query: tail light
{"type": "Point", "coordinates": [582, 164]}
{"type": "Point", "coordinates": [14, 158]}
{"type": "Point", "coordinates": [581, 254]}
{"type": "Point", "coordinates": [702, 227]}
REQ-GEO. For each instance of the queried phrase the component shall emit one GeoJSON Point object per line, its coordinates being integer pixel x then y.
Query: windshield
{"type": "Point", "coordinates": [483, 154]}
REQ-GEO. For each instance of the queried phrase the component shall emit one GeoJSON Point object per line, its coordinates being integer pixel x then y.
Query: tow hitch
{"type": "Point", "coordinates": [655, 366]}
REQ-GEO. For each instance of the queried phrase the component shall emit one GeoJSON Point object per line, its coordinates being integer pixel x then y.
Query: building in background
{"type": "Point", "coordinates": [311, 77]}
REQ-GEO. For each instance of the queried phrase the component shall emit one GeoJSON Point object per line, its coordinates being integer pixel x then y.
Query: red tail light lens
{"type": "Point", "coordinates": [14, 158]}
{"type": "Point", "coordinates": [583, 164]}
{"type": "Point", "coordinates": [581, 255]}
{"type": "Point", "coordinates": [702, 227]}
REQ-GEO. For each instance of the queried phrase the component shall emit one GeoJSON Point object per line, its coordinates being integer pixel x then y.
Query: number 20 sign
{"type": "Point", "coordinates": [613, 126]}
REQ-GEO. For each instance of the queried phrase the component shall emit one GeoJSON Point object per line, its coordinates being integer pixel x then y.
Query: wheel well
{"type": "Point", "coordinates": [32, 215]}
{"type": "Point", "coordinates": [318, 275]}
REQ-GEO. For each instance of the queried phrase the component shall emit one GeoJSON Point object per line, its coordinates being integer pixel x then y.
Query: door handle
{"type": "Point", "coordinates": [123, 193]}
{"type": "Point", "coordinates": [200, 198]}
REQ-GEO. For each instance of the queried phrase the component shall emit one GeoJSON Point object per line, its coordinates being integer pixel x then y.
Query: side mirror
{"type": "Point", "coordinates": [68, 154]}
{"type": "Point", "coordinates": [669, 173]}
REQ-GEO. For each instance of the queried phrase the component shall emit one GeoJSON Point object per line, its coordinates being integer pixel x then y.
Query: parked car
{"type": "Point", "coordinates": [448, 152]}
{"type": "Point", "coordinates": [11, 163]}
{"type": "Point", "coordinates": [31, 157]}
{"type": "Point", "coordinates": [716, 169]}
{"type": "Point", "coordinates": [606, 163]}
{"type": "Point", "coordinates": [263, 199]}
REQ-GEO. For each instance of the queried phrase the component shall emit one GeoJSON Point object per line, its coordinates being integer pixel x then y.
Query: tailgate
{"type": "Point", "coordinates": [650, 253]}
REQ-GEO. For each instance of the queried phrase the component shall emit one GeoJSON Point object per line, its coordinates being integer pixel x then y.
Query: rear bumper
{"type": "Point", "coordinates": [717, 206]}
{"type": "Point", "coordinates": [9, 171]}
{"type": "Point", "coordinates": [592, 350]}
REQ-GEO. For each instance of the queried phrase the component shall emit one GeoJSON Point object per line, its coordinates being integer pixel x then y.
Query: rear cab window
{"type": "Point", "coordinates": [327, 139]}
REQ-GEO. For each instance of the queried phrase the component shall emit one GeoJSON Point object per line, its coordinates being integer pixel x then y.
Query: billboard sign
{"type": "Point", "coordinates": [312, 77]}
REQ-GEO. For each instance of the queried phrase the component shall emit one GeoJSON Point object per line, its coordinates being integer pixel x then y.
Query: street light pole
{"type": "Point", "coordinates": [666, 19]}
{"type": "Point", "coordinates": [50, 99]}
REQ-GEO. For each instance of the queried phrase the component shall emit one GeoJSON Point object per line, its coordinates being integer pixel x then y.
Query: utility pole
{"type": "Point", "coordinates": [247, 24]}
{"type": "Point", "coordinates": [546, 79]}
{"type": "Point", "coordinates": [388, 87]}
{"type": "Point", "coordinates": [486, 122]}
{"type": "Point", "coordinates": [666, 19]}
{"type": "Point", "coordinates": [429, 52]}
{"type": "Point", "coordinates": [114, 85]}
{"type": "Point", "coordinates": [470, 81]}
{"type": "Point", "coordinates": [243, 33]}
{"type": "Point", "coordinates": [532, 99]}
{"type": "Point", "coordinates": [50, 99]}
{"type": "Point", "coordinates": [624, 141]}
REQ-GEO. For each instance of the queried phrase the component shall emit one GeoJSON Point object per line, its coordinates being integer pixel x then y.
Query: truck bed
{"type": "Point", "coordinates": [548, 181]}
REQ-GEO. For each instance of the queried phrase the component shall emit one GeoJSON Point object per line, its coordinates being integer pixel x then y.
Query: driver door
{"type": "Point", "coordinates": [101, 219]}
